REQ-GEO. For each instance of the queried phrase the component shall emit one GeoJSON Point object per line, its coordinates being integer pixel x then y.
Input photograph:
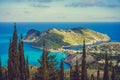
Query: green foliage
{"type": "Point", "coordinates": [98, 74]}
{"type": "Point", "coordinates": [13, 59]}
{"type": "Point", "coordinates": [27, 73]}
{"type": "Point", "coordinates": [92, 77]}
{"type": "Point", "coordinates": [18, 68]}
{"type": "Point", "coordinates": [53, 40]}
{"type": "Point", "coordinates": [113, 74]}
{"type": "Point", "coordinates": [84, 68]}
{"type": "Point", "coordinates": [113, 48]}
{"type": "Point", "coordinates": [47, 70]}
{"type": "Point", "coordinates": [16, 60]}
{"type": "Point", "coordinates": [106, 75]}
{"type": "Point", "coordinates": [62, 70]}
{"type": "Point", "coordinates": [58, 38]}
{"type": "Point", "coordinates": [22, 66]}
{"type": "Point", "coordinates": [76, 72]}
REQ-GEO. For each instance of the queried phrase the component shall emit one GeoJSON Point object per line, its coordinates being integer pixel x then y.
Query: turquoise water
{"type": "Point", "coordinates": [35, 54]}
{"type": "Point", "coordinates": [6, 31]}
{"type": "Point", "coordinates": [32, 53]}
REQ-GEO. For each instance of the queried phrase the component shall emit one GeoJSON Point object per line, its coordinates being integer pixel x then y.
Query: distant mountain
{"type": "Point", "coordinates": [56, 38]}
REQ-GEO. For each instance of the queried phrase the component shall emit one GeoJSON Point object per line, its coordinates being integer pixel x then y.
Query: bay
{"type": "Point", "coordinates": [6, 31]}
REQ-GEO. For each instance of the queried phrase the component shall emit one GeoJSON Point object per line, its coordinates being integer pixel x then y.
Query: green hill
{"type": "Point", "coordinates": [58, 38]}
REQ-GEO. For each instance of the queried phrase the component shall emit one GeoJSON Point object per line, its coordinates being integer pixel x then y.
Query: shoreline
{"type": "Point", "coordinates": [70, 51]}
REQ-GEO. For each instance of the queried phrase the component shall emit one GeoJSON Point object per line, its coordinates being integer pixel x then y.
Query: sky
{"type": "Point", "coordinates": [59, 10]}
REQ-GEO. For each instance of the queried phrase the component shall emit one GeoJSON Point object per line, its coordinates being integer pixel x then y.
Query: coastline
{"type": "Point", "coordinates": [66, 50]}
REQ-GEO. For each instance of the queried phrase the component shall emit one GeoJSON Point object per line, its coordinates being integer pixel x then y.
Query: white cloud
{"type": "Point", "coordinates": [55, 11]}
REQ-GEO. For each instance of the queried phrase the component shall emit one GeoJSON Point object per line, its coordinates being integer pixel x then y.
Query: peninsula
{"type": "Point", "coordinates": [59, 38]}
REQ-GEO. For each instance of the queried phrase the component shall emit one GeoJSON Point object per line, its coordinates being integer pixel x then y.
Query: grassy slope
{"type": "Point", "coordinates": [58, 38]}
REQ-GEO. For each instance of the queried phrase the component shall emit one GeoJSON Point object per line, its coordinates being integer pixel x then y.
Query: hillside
{"type": "Point", "coordinates": [71, 59]}
{"type": "Point", "coordinates": [58, 38]}
{"type": "Point", "coordinates": [111, 47]}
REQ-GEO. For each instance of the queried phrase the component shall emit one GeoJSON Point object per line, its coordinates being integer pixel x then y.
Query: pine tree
{"type": "Point", "coordinates": [13, 59]}
{"type": "Point", "coordinates": [106, 76]}
{"type": "Point", "coordinates": [84, 69]}
{"type": "Point", "coordinates": [62, 70]}
{"type": "Point", "coordinates": [27, 73]}
{"type": "Point", "coordinates": [1, 74]}
{"type": "Point", "coordinates": [22, 60]}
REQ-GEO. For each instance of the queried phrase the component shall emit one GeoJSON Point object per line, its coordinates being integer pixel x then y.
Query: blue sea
{"type": "Point", "coordinates": [112, 29]}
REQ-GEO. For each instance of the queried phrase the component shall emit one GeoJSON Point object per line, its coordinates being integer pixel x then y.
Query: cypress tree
{"type": "Point", "coordinates": [83, 68]}
{"type": "Point", "coordinates": [22, 60]}
{"type": "Point", "coordinates": [47, 70]}
{"type": "Point", "coordinates": [27, 73]}
{"type": "Point", "coordinates": [113, 74]}
{"type": "Point", "coordinates": [71, 73]}
{"type": "Point", "coordinates": [106, 76]}
{"type": "Point", "coordinates": [5, 75]}
{"type": "Point", "coordinates": [76, 73]}
{"type": "Point", "coordinates": [92, 77]}
{"type": "Point", "coordinates": [13, 59]}
{"type": "Point", "coordinates": [51, 64]}
{"type": "Point", "coordinates": [10, 64]}
{"type": "Point", "coordinates": [43, 70]}
{"type": "Point", "coordinates": [1, 74]}
{"type": "Point", "coordinates": [98, 74]}
{"type": "Point", "coordinates": [44, 66]}
{"type": "Point", "coordinates": [98, 70]}
{"type": "Point", "coordinates": [62, 70]}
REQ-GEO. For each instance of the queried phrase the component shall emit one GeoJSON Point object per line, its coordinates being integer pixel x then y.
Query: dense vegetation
{"type": "Point", "coordinates": [16, 62]}
{"type": "Point", "coordinates": [18, 68]}
{"type": "Point", "coordinates": [57, 38]}
{"type": "Point", "coordinates": [111, 47]}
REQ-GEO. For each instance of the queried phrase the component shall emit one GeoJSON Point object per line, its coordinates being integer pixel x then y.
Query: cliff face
{"type": "Point", "coordinates": [58, 38]}
{"type": "Point", "coordinates": [32, 35]}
